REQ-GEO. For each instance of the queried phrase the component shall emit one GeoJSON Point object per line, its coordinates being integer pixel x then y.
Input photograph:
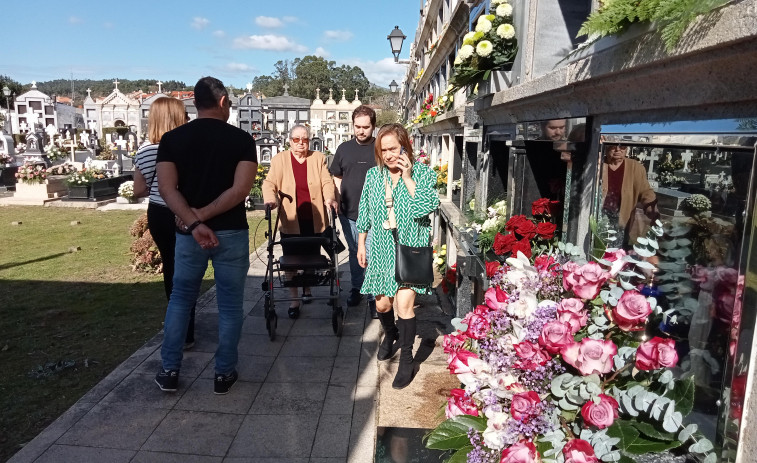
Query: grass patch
{"type": "Point", "coordinates": [67, 319]}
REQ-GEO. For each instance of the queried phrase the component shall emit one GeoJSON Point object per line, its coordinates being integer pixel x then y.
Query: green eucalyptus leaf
{"type": "Point", "coordinates": [687, 432]}
{"type": "Point", "coordinates": [711, 458]}
{"type": "Point", "coordinates": [453, 433]}
{"type": "Point", "coordinates": [701, 446]}
{"type": "Point", "coordinates": [611, 457]}
{"type": "Point", "coordinates": [666, 377]}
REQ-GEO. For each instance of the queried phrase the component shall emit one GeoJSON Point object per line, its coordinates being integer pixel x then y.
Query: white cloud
{"type": "Point", "coordinates": [75, 20]}
{"type": "Point", "coordinates": [379, 72]}
{"type": "Point", "coordinates": [219, 33]}
{"type": "Point", "coordinates": [199, 23]}
{"type": "Point", "coordinates": [337, 36]}
{"type": "Point", "coordinates": [289, 19]}
{"type": "Point", "coordinates": [268, 21]}
{"type": "Point", "coordinates": [239, 67]}
{"type": "Point", "coordinates": [269, 42]}
{"type": "Point", "coordinates": [322, 52]}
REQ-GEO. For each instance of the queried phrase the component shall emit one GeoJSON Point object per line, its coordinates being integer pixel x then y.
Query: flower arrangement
{"type": "Point", "coordinates": [491, 45]}
{"type": "Point", "coordinates": [256, 191]}
{"type": "Point", "coordinates": [526, 235]}
{"type": "Point", "coordinates": [419, 75]}
{"type": "Point", "coordinates": [440, 258]}
{"type": "Point", "coordinates": [556, 365]}
{"type": "Point", "coordinates": [126, 190]}
{"type": "Point", "coordinates": [697, 204]}
{"type": "Point", "coordinates": [62, 169]}
{"type": "Point", "coordinates": [54, 153]}
{"type": "Point", "coordinates": [145, 255]}
{"type": "Point", "coordinates": [5, 159]}
{"type": "Point", "coordinates": [32, 174]}
{"type": "Point", "coordinates": [493, 224]}
{"type": "Point", "coordinates": [422, 157]}
{"type": "Point", "coordinates": [430, 109]}
{"type": "Point", "coordinates": [441, 177]}
{"type": "Point", "coordinates": [85, 176]}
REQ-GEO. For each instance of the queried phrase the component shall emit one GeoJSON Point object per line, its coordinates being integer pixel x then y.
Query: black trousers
{"type": "Point", "coordinates": [160, 222]}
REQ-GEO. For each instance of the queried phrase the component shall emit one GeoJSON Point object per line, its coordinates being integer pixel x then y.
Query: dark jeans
{"type": "Point", "coordinates": [160, 222]}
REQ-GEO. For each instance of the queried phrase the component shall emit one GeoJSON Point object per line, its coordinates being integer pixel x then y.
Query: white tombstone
{"type": "Point", "coordinates": [686, 156]}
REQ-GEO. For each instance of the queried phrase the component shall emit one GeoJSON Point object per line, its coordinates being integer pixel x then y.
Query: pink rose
{"type": "Point", "coordinates": [590, 356]}
{"type": "Point", "coordinates": [495, 298]}
{"type": "Point", "coordinates": [602, 414]}
{"type": "Point", "coordinates": [656, 353]}
{"type": "Point", "coordinates": [457, 361]}
{"type": "Point", "coordinates": [567, 270]}
{"type": "Point", "coordinates": [555, 335]}
{"type": "Point", "coordinates": [586, 280]}
{"type": "Point", "coordinates": [531, 356]}
{"type": "Point", "coordinates": [453, 342]}
{"type": "Point", "coordinates": [579, 451]}
{"type": "Point", "coordinates": [525, 405]}
{"type": "Point", "coordinates": [544, 263]}
{"type": "Point", "coordinates": [571, 311]}
{"type": "Point", "coordinates": [460, 404]}
{"type": "Point", "coordinates": [478, 325]}
{"type": "Point", "coordinates": [616, 259]}
{"type": "Point", "coordinates": [632, 311]}
{"type": "Point", "coordinates": [522, 451]}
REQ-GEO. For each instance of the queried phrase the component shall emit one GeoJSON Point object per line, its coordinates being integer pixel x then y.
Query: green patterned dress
{"type": "Point", "coordinates": [413, 224]}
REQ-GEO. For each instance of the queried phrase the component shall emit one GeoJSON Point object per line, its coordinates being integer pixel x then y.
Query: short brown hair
{"type": "Point", "coordinates": [402, 136]}
{"type": "Point", "coordinates": [364, 110]}
{"type": "Point", "coordinates": [166, 113]}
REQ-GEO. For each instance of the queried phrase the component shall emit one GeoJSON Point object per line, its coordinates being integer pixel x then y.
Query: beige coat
{"type": "Point", "coordinates": [635, 189]}
{"type": "Point", "coordinates": [280, 183]}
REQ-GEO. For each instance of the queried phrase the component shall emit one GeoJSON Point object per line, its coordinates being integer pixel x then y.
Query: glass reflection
{"type": "Point", "coordinates": [697, 184]}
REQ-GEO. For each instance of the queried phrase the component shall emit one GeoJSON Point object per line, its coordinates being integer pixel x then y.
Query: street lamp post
{"type": "Point", "coordinates": [7, 93]}
{"type": "Point", "coordinates": [396, 38]}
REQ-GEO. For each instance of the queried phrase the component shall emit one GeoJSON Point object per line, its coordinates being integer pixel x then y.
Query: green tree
{"type": "Point", "coordinates": [15, 87]}
{"type": "Point", "coordinates": [268, 85]}
{"type": "Point", "coordinates": [311, 72]}
{"type": "Point", "coordinates": [350, 78]}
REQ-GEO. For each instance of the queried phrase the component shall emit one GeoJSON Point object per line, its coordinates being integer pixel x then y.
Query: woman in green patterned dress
{"type": "Point", "coordinates": [414, 198]}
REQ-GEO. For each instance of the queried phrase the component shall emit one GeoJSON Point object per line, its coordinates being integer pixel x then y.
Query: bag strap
{"type": "Point", "coordinates": [389, 202]}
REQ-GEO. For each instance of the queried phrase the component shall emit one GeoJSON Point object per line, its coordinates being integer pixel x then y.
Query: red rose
{"type": "Point", "coordinates": [496, 298]}
{"type": "Point", "coordinates": [523, 246]}
{"type": "Point", "coordinates": [579, 451]}
{"type": "Point", "coordinates": [556, 335]}
{"type": "Point", "coordinates": [503, 243]}
{"type": "Point", "coordinates": [522, 226]}
{"type": "Point", "coordinates": [656, 353]}
{"type": "Point", "coordinates": [478, 325]}
{"type": "Point", "coordinates": [491, 268]}
{"type": "Point", "coordinates": [531, 355]}
{"type": "Point", "coordinates": [524, 405]}
{"type": "Point", "coordinates": [453, 342]}
{"type": "Point", "coordinates": [543, 206]}
{"type": "Point", "coordinates": [602, 414]}
{"type": "Point", "coordinates": [546, 230]}
{"type": "Point", "coordinates": [543, 263]}
{"type": "Point", "coordinates": [460, 404]}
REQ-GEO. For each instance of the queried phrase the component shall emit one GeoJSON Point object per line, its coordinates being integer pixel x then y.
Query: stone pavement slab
{"type": "Point", "coordinates": [307, 396]}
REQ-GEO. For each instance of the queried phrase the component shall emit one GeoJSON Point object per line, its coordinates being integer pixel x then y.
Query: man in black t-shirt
{"type": "Point", "coordinates": [205, 171]}
{"type": "Point", "coordinates": [351, 162]}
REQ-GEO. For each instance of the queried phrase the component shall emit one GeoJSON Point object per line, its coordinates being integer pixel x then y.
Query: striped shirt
{"type": "Point", "coordinates": [145, 162]}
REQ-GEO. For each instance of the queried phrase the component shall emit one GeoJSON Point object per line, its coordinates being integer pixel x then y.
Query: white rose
{"type": "Point", "coordinates": [524, 306]}
{"type": "Point", "coordinates": [494, 435]}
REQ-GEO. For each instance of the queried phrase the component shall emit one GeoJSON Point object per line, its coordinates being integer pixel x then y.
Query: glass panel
{"type": "Point", "coordinates": [344, 116]}
{"type": "Point", "coordinates": [303, 116]}
{"type": "Point", "coordinates": [36, 105]}
{"type": "Point", "coordinates": [694, 176]}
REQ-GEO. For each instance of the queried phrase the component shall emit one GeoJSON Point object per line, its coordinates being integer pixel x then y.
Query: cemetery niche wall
{"type": "Point", "coordinates": [698, 179]}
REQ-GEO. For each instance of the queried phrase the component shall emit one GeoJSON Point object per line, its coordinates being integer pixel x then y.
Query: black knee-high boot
{"type": "Point", "coordinates": [389, 345]}
{"type": "Point", "coordinates": [407, 368]}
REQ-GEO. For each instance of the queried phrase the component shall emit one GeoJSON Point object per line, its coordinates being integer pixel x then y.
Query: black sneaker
{"type": "Point", "coordinates": [355, 297]}
{"type": "Point", "coordinates": [223, 383]}
{"type": "Point", "coordinates": [167, 380]}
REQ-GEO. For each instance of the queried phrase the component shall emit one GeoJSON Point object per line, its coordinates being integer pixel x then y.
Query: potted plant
{"type": "Point", "coordinates": [79, 183]}
{"type": "Point", "coordinates": [255, 198]}
{"type": "Point", "coordinates": [126, 191]}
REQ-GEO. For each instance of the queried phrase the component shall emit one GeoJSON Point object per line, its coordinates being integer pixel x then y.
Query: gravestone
{"type": "Point", "coordinates": [35, 150]}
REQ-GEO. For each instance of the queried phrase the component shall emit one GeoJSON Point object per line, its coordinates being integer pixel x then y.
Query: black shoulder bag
{"type": "Point", "coordinates": [413, 265]}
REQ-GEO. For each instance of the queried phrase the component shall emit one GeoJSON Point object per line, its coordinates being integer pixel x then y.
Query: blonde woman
{"type": "Point", "coordinates": [165, 114]}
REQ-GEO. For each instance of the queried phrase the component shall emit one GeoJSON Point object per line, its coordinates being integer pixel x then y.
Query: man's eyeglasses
{"type": "Point", "coordinates": [300, 139]}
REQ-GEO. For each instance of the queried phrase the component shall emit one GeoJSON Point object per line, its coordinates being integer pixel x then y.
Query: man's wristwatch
{"type": "Point", "coordinates": [194, 225]}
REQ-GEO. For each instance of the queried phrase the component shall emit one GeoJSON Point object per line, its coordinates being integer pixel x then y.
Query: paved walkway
{"type": "Point", "coordinates": [306, 397]}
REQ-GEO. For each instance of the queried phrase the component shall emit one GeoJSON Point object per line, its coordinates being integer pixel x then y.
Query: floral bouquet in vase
{"type": "Point", "coordinates": [556, 365]}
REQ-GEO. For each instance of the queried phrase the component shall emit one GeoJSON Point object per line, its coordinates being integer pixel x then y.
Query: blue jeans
{"type": "Point", "coordinates": [231, 260]}
{"type": "Point", "coordinates": [357, 273]}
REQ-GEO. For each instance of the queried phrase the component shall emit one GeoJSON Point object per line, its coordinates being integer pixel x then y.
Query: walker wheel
{"type": "Point", "coordinates": [337, 321]}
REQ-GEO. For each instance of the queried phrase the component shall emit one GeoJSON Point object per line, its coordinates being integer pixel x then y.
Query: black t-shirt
{"type": "Point", "coordinates": [351, 162]}
{"type": "Point", "coordinates": [206, 153]}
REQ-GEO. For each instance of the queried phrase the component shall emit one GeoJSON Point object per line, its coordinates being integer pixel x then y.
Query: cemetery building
{"type": "Point", "coordinates": [541, 127]}
{"type": "Point", "coordinates": [331, 120]}
{"type": "Point", "coordinates": [33, 110]}
{"type": "Point", "coordinates": [115, 110]}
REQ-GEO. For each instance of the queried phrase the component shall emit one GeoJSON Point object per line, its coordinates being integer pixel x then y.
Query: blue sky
{"type": "Point", "coordinates": [185, 40]}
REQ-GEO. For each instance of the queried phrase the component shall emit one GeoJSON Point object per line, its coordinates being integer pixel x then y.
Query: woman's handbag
{"type": "Point", "coordinates": [413, 265]}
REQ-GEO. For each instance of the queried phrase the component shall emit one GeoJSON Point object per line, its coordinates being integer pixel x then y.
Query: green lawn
{"type": "Point", "coordinates": [69, 318]}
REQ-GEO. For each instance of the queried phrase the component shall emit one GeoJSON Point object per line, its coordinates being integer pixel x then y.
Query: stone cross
{"type": "Point", "coordinates": [89, 93]}
{"type": "Point", "coordinates": [356, 93]}
{"type": "Point", "coordinates": [652, 158]}
{"type": "Point", "coordinates": [718, 155]}
{"type": "Point", "coordinates": [160, 89]}
{"type": "Point", "coordinates": [115, 82]}
{"type": "Point", "coordinates": [686, 156]}
{"type": "Point", "coordinates": [331, 94]}
{"type": "Point", "coordinates": [317, 93]}
{"type": "Point", "coordinates": [343, 92]}
{"type": "Point", "coordinates": [286, 89]}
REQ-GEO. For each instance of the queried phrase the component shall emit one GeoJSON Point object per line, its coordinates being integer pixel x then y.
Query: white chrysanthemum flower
{"type": "Point", "coordinates": [483, 25]}
{"type": "Point", "coordinates": [465, 52]}
{"type": "Point", "coordinates": [484, 48]}
{"type": "Point", "coordinates": [469, 36]}
{"type": "Point", "coordinates": [497, 2]}
{"type": "Point", "coordinates": [506, 31]}
{"type": "Point", "coordinates": [458, 60]}
{"type": "Point", "coordinates": [504, 10]}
